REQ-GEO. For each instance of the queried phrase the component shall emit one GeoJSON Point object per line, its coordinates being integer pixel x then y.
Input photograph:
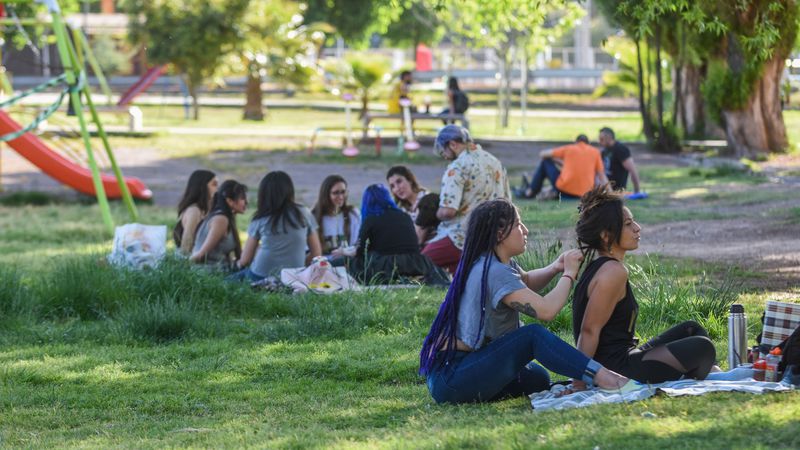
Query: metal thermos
{"type": "Point", "coordinates": [737, 336]}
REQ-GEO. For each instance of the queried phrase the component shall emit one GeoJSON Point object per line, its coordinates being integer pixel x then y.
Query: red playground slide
{"type": "Point", "coordinates": [141, 85]}
{"type": "Point", "coordinates": [63, 170]}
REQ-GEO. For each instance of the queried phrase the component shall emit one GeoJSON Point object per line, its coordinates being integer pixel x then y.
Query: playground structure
{"type": "Point", "coordinates": [74, 86]}
{"type": "Point", "coordinates": [141, 85]}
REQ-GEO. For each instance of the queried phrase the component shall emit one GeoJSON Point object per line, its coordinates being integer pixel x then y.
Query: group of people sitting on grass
{"type": "Point", "coordinates": [380, 243]}
{"type": "Point", "coordinates": [477, 349]}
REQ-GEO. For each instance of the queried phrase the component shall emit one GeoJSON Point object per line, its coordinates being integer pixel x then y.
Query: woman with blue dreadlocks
{"type": "Point", "coordinates": [476, 349]}
{"type": "Point", "coordinates": [388, 249]}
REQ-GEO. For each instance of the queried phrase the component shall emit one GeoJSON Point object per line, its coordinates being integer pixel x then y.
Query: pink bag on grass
{"type": "Point", "coordinates": [319, 277]}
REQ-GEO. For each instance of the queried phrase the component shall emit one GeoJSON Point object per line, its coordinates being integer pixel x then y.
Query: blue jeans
{"type": "Point", "coordinates": [547, 169]}
{"type": "Point", "coordinates": [244, 275]}
{"type": "Point", "coordinates": [504, 367]}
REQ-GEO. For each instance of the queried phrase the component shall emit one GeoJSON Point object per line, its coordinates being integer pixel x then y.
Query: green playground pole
{"type": "Point", "coordinates": [73, 74]}
{"type": "Point", "coordinates": [84, 50]}
{"type": "Point", "coordinates": [127, 198]}
{"type": "Point", "coordinates": [126, 194]}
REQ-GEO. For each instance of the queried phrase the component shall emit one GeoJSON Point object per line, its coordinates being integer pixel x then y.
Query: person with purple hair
{"type": "Point", "coordinates": [476, 350]}
{"type": "Point", "coordinates": [388, 249]}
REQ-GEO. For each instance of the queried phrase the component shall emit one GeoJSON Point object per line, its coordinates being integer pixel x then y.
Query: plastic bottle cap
{"type": "Point", "coordinates": [776, 351]}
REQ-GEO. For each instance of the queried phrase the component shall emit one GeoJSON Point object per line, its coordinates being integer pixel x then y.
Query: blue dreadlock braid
{"type": "Point", "coordinates": [489, 224]}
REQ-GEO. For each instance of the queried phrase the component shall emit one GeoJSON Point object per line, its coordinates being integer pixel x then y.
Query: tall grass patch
{"type": "Point", "coordinates": [13, 292]}
{"type": "Point", "coordinates": [81, 287]}
{"type": "Point", "coordinates": [666, 295]}
{"type": "Point", "coordinates": [666, 299]}
{"type": "Point", "coordinates": [164, 319]}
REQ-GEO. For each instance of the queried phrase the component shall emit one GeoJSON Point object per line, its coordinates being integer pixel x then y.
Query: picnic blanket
{"type": "Point", "coordinates": [743, 382]}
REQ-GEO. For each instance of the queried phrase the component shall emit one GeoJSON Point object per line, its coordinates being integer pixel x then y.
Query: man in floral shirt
{"type": "Point", "coordinates": [472, 177]}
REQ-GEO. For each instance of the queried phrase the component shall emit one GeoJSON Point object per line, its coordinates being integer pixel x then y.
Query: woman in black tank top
{"type": "Point", "coordinates": [605, 310]}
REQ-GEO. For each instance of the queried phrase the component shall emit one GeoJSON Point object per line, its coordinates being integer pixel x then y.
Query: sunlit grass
{"type": "Point", "coordinates": [91, 356]}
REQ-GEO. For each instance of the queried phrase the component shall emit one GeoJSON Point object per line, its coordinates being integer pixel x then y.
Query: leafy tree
{"type": "Point", "coordinates": [354, 20]}
{"type": "Point", "coordinates": [511, 28]}
{"type": "Point", "coordinates": [192, 35]}
{"type": "Point", "coordinates": [743, 83]}
{"type": "Point", "coordinates": [732, 51]}
{"type": "Point", "coordinates": [418, 23]}
{"type": "Point", "coordinates": [109, 56]}
{"type": "Point", "coordinates": [359, 72]}
{"type": "Point", "coordinates": [276, 44]}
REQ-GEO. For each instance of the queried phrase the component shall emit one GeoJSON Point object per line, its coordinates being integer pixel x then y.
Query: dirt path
{"type": "Point", "coordinates": [758, 239]}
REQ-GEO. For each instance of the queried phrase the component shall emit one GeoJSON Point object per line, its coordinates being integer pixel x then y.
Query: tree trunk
{"type": "Point", "coordinates": [677, 82]}
{"type": "Point", "coordinates": [507, 67]}
{"type": "Point", "coordinates": [502, 57]}
{"type": "Point", "coordinates": [758, 127]}
{"type": "Point", "coordinates": [662, 137]}
{"type": "Point", "coordinates": [191, 85]}
{"type": "Point", "coordinates": [253, 107]}
{"type": "Point", "coordinates": [364, 104]}
{"type": "Point", "coordinates": [647, 128]}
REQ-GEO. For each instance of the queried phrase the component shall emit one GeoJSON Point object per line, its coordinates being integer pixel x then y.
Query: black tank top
{"type": "Point", "coordinates": [617, 336]}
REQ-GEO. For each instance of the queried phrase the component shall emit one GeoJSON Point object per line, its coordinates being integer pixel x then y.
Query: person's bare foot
{"type": "Point", "coordinates": [575, 386]}
{"type": "Point", "coordinates": [606, 379]}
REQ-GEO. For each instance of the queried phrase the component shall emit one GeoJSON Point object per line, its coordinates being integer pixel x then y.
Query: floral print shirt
{"type": "Point", "coordinates": [469, 180]}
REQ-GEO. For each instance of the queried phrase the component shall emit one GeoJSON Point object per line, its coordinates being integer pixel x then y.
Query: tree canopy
{"type": "Point", "coordinates": [192, 35]}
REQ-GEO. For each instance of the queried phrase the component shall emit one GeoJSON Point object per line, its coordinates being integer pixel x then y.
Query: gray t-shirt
{"type": "Point", "coordinates": [222, 253]}
{"type": "Point", "coordinates": [499, 319]}
{"type": "Point", "coordinates": [282, 249]}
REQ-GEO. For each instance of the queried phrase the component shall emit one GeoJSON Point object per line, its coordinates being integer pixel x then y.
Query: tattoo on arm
{"type": "Point", "coordinates": [524, 308]}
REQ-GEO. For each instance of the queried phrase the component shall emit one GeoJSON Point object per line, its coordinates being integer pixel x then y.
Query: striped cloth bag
{"type": "Point", "coordinates": [780, 320]}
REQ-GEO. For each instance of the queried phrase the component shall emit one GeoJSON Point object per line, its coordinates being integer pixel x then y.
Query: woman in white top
{"type": "Point", "coordinates": [338, 222]}
{"type": "Point", "coordinates": [193, 208]}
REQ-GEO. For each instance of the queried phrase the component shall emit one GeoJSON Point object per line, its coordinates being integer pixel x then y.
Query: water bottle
{"type": "Point", "coordinates": [737, 336]}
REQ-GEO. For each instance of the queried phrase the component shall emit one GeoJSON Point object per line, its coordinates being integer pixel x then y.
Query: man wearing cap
{"type": "Point", "coordinates": [472, 177]}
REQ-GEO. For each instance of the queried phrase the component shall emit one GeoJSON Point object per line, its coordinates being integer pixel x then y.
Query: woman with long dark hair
{"type": "Point", "coordinates": [405, 189]}
{"type": "Point", "coordinates": [387, 244]}
{"type": "Point", "coordinates": [476, 349]}
{"type": "Point", "coordinates": [280, 231]}
{"type": "Point", "coordinates": [193, 207]}
{"type": "Point", "coordinates": [338, 221]}
{"type": "Point", "coordinates": [217, 240]}
{"type": "Point", "coordinates": [604, 309]}
{"type": "Point", "coordinates": [457, 100]}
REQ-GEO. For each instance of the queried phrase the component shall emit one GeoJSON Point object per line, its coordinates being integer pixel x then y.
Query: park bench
{"type": "Point", "coordinates": [369, 117]}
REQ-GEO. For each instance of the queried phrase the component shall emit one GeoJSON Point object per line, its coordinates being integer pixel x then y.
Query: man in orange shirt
{"type": "Point", "coordinates": [572, 170]}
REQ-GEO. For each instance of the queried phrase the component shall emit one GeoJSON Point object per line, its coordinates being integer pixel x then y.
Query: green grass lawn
{"type": "Point", "coordinates": [303, 121]}
{"type": "Point", "coordinates": [91, 356]}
